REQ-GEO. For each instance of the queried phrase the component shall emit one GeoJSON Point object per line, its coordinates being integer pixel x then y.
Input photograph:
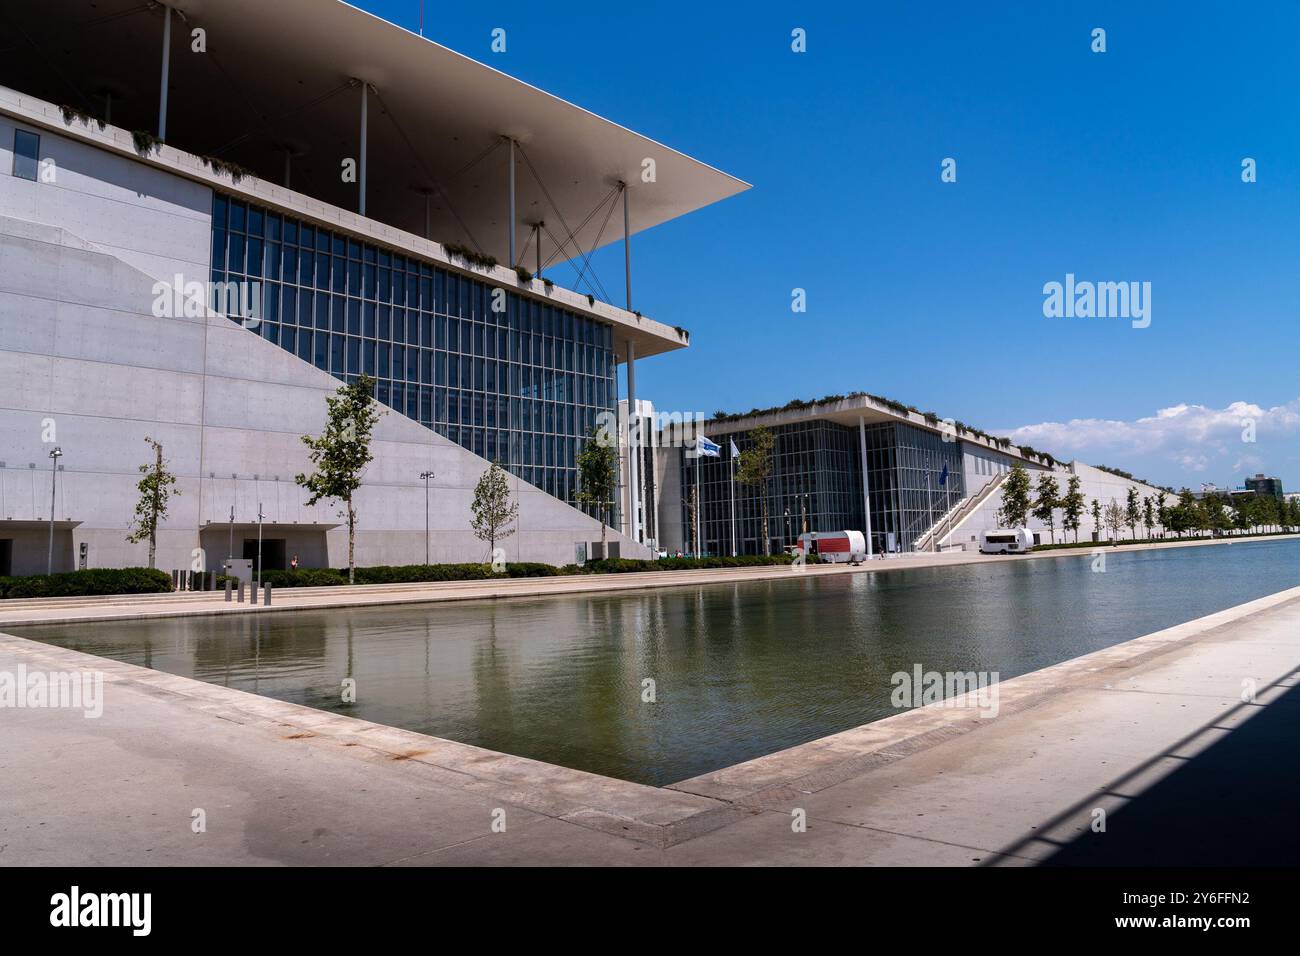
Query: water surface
{"type": "Point", "coordinates": [739, 670]}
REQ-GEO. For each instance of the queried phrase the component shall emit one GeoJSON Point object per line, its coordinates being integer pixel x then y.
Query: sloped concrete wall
{"type": "Point", "coordinates": [84, 364]}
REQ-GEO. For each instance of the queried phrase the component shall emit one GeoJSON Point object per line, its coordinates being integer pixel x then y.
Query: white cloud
{"type": "Point", "coordinates": [1193, 439]}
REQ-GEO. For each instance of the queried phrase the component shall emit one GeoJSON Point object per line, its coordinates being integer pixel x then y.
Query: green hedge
{"type": "Point", "coordinates": [92, 582]}
{"type": "Point", "coordinates": [149, 581]}
{"type": "Point", "coordinates": [627, 565]}
{"type": "Point", "coordinates": [405, 574]}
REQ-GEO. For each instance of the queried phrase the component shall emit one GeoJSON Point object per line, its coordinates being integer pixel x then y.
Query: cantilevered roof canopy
{"type": "Point", "coordinates": [277, 76]}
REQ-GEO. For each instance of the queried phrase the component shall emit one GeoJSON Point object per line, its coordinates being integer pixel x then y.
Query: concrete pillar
{"type": "Point", "coordinates": [166, 72]}
{"type": "Point", "coordinates": [866, 481]}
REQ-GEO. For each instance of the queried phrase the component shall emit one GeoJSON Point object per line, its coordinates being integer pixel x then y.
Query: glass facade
{"type": "Point", "coordinates": [816, 485]}
{"type": "Point", "coordinates": [522, 385]}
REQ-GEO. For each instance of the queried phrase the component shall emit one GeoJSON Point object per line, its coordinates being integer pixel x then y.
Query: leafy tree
{"type": "Point", "coordinates": [1045, 506]}
{"type": "Point", "coordinates": [1161, 513]}
{"type": "Point", "coordinates": [1115, 520]}
{"type": "Point", "coordinates": [598, 477]}
{"type": "Point", "coordinates": [1096, 517]}
{"type": "Point", "coordinates": [1132, 511]}
{"type": "Point", "coordinates": [1148, 515]}
{"type": "Point", "coordinates": [1072, 507]}
{"type": "Point", "coordinates": [342, 452]}
{"type": "Point", "coordinates": [1015, 497]}
{"type": "Point", "coordinates": [492, 511]}
{"type": "Point", "coordinates": [155, 490]}
{"type": "Point", "coordinates": [1185, 516]}
{"type": "Point", "coordinates": [755, 469]}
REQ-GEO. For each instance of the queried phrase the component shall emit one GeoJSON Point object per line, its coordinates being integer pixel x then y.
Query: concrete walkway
{"type": "Point", "coordinates": [277, 783]}
{"type": "Point", "coordinates": [187, 604]}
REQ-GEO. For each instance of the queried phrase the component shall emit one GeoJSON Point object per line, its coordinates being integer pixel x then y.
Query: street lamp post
{"type": "Point", "coordinates": [425, 476]}
{"type": "Point", "coordinates": [55, 454]}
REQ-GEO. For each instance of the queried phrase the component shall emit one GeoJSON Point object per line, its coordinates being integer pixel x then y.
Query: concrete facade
{"type": "Point", "coordinates": [85, 365]}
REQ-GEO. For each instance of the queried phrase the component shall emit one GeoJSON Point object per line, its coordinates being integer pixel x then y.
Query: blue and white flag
{"type": "Point", "coordinates": [735, 452]}
{"type": "Point", "coordinates": [707, 449]}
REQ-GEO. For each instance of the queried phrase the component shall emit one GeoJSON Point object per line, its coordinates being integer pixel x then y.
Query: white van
{"type": "Point", "coordinates": [1006, 541]}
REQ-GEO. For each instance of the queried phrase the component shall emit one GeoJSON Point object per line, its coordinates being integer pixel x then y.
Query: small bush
{"type": "Point", "coordinates": [91, 582]}
{"type": "Point", "coordinates": [304, 578]}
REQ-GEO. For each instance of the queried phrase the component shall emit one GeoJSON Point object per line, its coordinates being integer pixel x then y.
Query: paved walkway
{"type": "Point", "coordinates": [186, 604]}
{"type": "Point", "coordinates": [282, 784]}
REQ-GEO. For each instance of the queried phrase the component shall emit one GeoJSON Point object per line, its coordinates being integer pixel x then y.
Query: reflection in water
{"type": "Point", "coordinates": [740, 670]}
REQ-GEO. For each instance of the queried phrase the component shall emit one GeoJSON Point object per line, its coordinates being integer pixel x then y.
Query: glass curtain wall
{"type": "Point", "coordinates": [522, 386]}
{"type": "Point", "coordinates": [816, 485]}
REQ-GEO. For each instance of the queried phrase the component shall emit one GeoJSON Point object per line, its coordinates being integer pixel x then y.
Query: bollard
{"type": "Point", "coordinates": [175, 579]}
{"type": "Point", "coordinates": [227, 590]}
{"type": "Point", "coordinates": [252, 591]}
{"type": "Point", "coordinates": [212, 580]}
{"type": "Point", "coordinates": [266, 594]}
{"type": "Point", "coordinates": [241, 591]}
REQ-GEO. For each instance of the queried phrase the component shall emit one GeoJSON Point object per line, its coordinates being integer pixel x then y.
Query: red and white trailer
{"type": "Point", "coordinates": [834, 545]}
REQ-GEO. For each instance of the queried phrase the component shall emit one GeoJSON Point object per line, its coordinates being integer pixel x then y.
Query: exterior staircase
{"type": "Point", "coordinates": [949, 522]}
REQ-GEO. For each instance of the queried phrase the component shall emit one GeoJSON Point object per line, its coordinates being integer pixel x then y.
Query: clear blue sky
{"type": "Point", "coordinates": [1117, 166]}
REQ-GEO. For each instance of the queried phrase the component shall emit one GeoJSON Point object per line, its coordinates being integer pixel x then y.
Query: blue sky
{"type": "Point", "coordinates": [1115, 166]}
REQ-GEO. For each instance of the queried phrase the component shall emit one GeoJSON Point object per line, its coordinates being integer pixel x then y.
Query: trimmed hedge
{"type": "Point", "coordinates": [152, 581]}
{"type": "Point", "coordinates": [627, 565]}
{"type": "Point", "coordinates": [95, 581]}
{"type": "Point", "coordinates": [405, 574]}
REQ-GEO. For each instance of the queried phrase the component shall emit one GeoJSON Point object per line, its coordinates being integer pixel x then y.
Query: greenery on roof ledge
{"type": "Point", "coordinates": [899, 408]}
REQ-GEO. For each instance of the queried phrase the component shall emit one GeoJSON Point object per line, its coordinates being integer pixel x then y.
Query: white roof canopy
{"type": "Point", "coordinates": [276, 79]}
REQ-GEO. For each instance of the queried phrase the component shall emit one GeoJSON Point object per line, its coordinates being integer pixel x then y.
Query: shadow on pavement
{"type": "Point", "coordinates": [1235, 803]}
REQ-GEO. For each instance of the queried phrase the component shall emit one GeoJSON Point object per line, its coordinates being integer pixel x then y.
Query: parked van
{"type": "Point", "coordinates": [1006, 541]}
{"type": "Point", "coordinates": [835, 545]}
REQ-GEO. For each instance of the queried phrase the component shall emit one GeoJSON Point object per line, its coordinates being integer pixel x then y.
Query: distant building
{"type": "Point", "coordinates": [909, 481]}
{"type": "Point", "coordinates": [1264, 486]}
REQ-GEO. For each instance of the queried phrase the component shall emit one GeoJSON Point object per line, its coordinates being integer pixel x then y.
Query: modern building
{"type": "Point", "coordinates": [210, 216]}
{"type": "Point", "coordinates": [909, 481]}
{"type": "Point", "coordinates": [1265, 487]}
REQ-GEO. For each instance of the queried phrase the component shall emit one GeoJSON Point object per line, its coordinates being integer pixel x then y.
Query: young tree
{"type": "Point", "coordinates": [1096, 518]}
{"type": "Point", "coordinates": [1162, 512]}
{"type": "Point", "coordinates": [1132, 511]}
{"type": "Point", "coordinates": [342, 452]}
{"type": "Point", "coordinates": [155, 490]}
{"type": "Point", "coordinates": [492, 511]}
{"type": "Point", "coordinates": [1148, 515]}
{"type": "Point", "coordinates": [1015, 497]}
{"type": "Point", "coordinates": [1114, 520]}
{"type": "Point", "coordinates": [598, 477]}
{"type": "Point", "coordinates": [1048, 492]}
{"type": "Point", "coordinates": [1072, 507]}
{"type": "Point", "coordinates": [755, 469]}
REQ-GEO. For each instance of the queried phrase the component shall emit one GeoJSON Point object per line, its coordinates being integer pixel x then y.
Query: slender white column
{"type": "Point", "coordinates": [633, 433]}
{"type": "Point", "coordinates": [627, 250]}
{"type": "Point", "coordinates": [866, 481]}
{"type": "Point", "coordinates": [166, 72]}
{"type": "Point", "coordinates": [365, 120]}
{"type": "Point", "coordinates": [512, 204]}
